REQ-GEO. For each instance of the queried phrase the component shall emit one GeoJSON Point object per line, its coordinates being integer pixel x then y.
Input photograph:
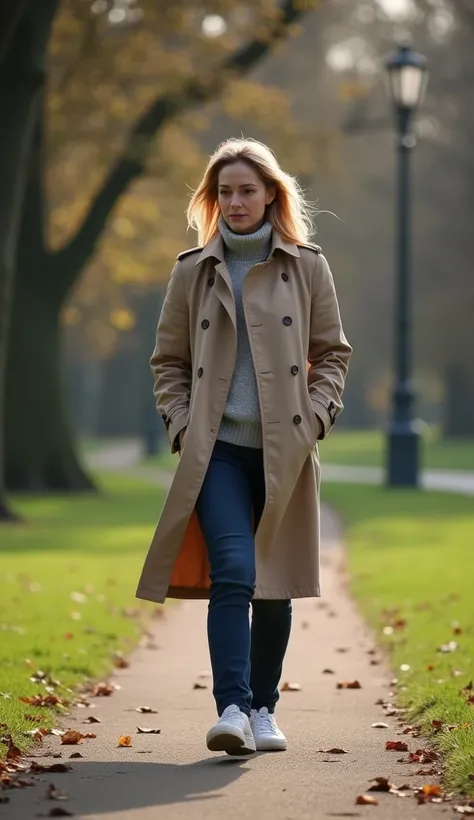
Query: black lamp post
{"type": "Point", "coordinates": [407, 75]}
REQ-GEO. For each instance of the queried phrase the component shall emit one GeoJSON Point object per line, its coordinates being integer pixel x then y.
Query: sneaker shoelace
{"type": "Point", "coordinates": [265, 722]}
{"type": "Point", "coordinates": [235, 718]}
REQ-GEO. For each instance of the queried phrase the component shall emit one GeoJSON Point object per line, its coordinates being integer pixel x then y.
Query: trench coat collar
{"type": "Point", "coordinates": [215, 248]}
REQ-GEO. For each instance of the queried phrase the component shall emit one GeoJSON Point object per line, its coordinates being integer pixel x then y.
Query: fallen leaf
{"type": "Point", "coordinates": [423, 756]}
{"type": "Point", "coordinates": [437, 725]}
{"type": "Point", "coordinates": [396, 746]}
{"type": "Point", "coordinates": [71, 737]}
{"type": "Point", "coordinates": [147, 710]}
{"type": "Point", "coordinates": [92, 719]}
{"type": "Point", "coordinates": [43, 700]}
{"type": "Point", "coordinates": [58, 811]}
{"type": "Point", "coordinates": [13, 752]}
{"type": "Point", "coordinates": [466, 810]}
{"type": "Point", "coordinates": [55, 768]}
{"type": "Point", "coordinates": [427, 772]}
{"type": "Point", "coordinates": [334, 751]}
{"type": "Point", "coordinates": [52, 793]}
{"type": "Point", "coordinates": [353, 684]}
{"type": "Point", "coordinates": [430, 794]}
{"type": "Point", "coordinates": [125, 740]}
{"type": "Point", "coordinates": [198, 685]}
{"type": "Point", "coordinates": [75, 754]}
{"type": "Point", "coordinates": [381, 784]}
{"type": "Point", "coordinates": [288, 686]}
{"type": "Point", "coordinates": [120, 662]}
{"type": "Point", "coordinates": [142, 730]}
{"type": "Point", "coordinates": [380, 725]}
{"type": "Point", "coordinates": [103, 690]}
{"type": "Point", "coordinates": [366, 800]}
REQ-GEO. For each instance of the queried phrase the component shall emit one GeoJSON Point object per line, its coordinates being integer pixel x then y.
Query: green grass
{"type": "Point", "coordinates": [412, 552]}
{"type": "Point", "coordinates": [366, 448]}
{"type": "Point", "coordinates": [68, 576]}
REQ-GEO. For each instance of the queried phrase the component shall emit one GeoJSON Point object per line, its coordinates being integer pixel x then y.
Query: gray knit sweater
{"type": "Point", "coordinates": [241, 422]}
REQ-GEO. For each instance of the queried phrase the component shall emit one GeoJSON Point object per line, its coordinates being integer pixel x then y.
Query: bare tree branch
{"type": "Point", "coordinates": [71, 259]}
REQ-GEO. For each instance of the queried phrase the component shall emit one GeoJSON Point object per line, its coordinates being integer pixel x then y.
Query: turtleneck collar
{"type": "Point", "coordinates": [252, 247]}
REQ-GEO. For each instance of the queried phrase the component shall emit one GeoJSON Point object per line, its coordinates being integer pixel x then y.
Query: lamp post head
{"type": "Point", "coordinates": [407, 78]}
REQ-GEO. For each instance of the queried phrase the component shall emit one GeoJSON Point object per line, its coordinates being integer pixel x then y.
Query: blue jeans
{"type": "Point", "coordinates": [246, 660]}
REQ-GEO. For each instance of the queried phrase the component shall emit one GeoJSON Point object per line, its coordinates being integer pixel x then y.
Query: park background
{"type": "Point", "coordinates": [111, 109]}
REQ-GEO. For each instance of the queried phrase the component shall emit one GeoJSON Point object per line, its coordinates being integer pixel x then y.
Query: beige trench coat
{"type": "Point", "coordinates": [301, 358]}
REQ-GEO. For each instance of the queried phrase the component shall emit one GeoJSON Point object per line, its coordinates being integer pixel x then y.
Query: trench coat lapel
{"type": "Point", "coordinates": [223, 286]}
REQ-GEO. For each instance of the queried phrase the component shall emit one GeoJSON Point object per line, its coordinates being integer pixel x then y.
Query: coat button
{"type": "Point", "coordinates": [287, 320]}
{"type": "Point", "coordinates": [211, 281]}
{"type": "Point", "coordinates": [295, 369]}
{"type": "Point", "coordinates": [297, 419]}
{"type": "Point", "coordinates": [205, 324]}
{"type": "Point", "coordinates": [200, 372]}
{"type": "Point", "coordinates": [284, 276]}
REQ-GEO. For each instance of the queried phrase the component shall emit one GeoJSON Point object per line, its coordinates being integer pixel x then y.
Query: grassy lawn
{"type": "Point", "coordinates": [366, 448]}
{"type": "Point", "coordinates": [412, 552]}
{"type": "Point", "coordinates": [68, 577]}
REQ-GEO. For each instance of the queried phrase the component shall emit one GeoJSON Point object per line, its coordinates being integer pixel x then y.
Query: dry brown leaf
{"type": "Point", "coordinates": [353, 684]}
{"type": "Point", "coordinates": [103, 690]}
{"type": "Point", "coordinates": [142, 730]}
{"type": "Point", "coordinates": [381, 784]}
{"type": "Point", "coordinates": [125, 741]}
{"type": "Point", "coordinates": [75, 754]}
{"type": "Point", "coordinates": [56, 768]}
{"type": "Point", "coordinates": [396, 746]}
{"type": "Point", "coordinates": [92, 719]}
{"type": "Point", "coordinates": [366, 800]}
{"type": "Point", "coordinates": [72, 737]}
{"type": "Point", "coordinates": [147, 710]}
{"type": "Point", "coordinates": [380, 725]}
{"type": "Point", "coordinates": [290, 686]}
{"type": "Point", "coordinates": [43, 700]}
{"type": "Point", "coordinates": [120, 662]}
{"type": "Point", "coordinates": [423, 756]}
{"type": "Point", "coordinates": [334, 751]}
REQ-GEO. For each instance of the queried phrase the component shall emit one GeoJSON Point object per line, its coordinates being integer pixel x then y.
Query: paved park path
{"type": "Point", "coordinates": [172, 775]}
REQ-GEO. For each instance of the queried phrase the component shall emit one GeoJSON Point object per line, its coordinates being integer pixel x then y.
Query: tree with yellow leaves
{"type": "Point", "coordinates": [128, 85]}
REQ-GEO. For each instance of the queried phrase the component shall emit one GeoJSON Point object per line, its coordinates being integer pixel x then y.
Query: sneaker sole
{"type": "Point", "coordinates": [272, 746]}
{"type": "Point", "coordinates": [229, 743]}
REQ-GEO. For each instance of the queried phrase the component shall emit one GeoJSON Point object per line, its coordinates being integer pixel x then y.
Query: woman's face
{"type": "Point", "coordinates": [243, 197]}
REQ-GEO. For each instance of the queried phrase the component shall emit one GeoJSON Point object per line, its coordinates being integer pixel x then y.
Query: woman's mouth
{"type": "Point", "coordinates": [236, 216]}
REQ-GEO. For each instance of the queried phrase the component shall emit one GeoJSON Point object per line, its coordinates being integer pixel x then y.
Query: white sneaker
{"type": "Point", "coordinates": [231, 733]}
{"type": "Point", "coordinates": [268, 737]}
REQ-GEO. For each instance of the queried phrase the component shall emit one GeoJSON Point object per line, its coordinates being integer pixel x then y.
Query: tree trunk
{"type": "Point", "coordinates": [21, 80]}
{"type": "Point", "coordinates": [40, 449]}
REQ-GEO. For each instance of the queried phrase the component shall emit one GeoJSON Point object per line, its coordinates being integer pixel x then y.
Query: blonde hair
{"type": "Point", "coordinates": [289, 213]}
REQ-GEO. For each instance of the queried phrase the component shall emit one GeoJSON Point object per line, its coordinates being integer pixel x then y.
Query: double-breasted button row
{"type": "Point", "coordinates": [287, 320]}
{"type": "Point", "coordinates": [297, 419]}
{"type": "Point", "coordinates": [205, 324]}
{"type": "Point", "coordinates": [295, 369]}
{"type": "Point", "coordinates": [284, 276]}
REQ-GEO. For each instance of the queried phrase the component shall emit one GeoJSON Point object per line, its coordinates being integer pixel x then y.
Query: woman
{"type": "Point", "coordinates": [249, 366]}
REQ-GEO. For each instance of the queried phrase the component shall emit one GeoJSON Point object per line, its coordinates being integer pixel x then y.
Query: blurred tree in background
{"type": "Point", "coordinates": [123, 80]}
